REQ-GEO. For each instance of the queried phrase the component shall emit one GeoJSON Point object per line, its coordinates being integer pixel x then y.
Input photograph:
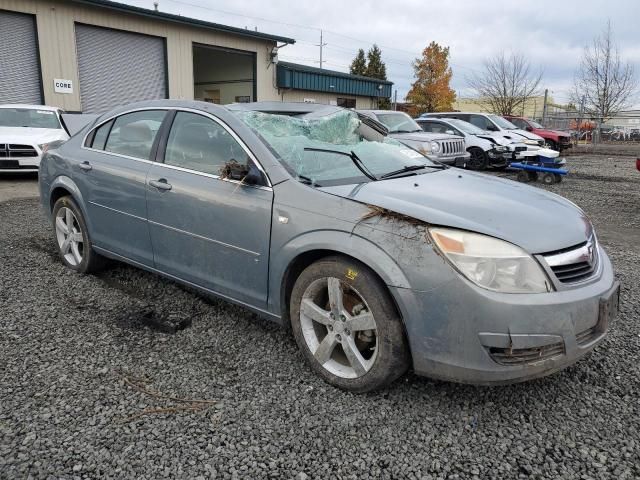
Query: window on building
{"type": "Point", "coordinates": [346, 102]}
{"type": "Point", "coordinates": [133, 134]}
{"type": "Point", "coordinates": [198, 143]}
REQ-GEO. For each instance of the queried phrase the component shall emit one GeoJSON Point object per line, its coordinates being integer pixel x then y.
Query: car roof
{"type": "Point", "coordinates": [456, 113]}
{"type": "Point", "coordinates": [286, 108]}
{"type": "Point", "coordinates": [31, 107]}
{"type": "Point", "coordinates": [377, 112]}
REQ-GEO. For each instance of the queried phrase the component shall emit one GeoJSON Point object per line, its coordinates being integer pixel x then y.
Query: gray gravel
{"type": "Point", "coordinates": [82, 379]}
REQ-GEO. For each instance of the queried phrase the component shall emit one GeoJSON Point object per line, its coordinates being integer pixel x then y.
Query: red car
{"type": "Point", "coordinates": [554, 139]}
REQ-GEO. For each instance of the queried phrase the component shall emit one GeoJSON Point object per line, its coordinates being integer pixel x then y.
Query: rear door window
{"type": "Point", "coordinates": [479, 121]}
{"type": "Point", "coordinates": [133, 134]}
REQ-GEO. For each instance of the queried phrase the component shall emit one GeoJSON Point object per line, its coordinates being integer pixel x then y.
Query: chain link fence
{"type": "Point", "coordinates": [624, 128]}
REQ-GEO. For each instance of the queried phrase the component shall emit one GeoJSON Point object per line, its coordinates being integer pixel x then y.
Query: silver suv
{"type": "Point", "coordinates": [442, 147]}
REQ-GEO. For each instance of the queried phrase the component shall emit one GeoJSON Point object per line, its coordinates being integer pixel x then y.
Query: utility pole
{"type": "Point", "coordinates": [321, 44]}
{"type": "Point", "coordinates": [395, 99]}
{"type": "Point", "coordinates": [544, 107]}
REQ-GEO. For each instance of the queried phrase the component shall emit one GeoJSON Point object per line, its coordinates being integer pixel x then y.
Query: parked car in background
{"type": "Point", "coordinates": [485, 149]}
{"type": "Point", "coordinates": [493, 123]}
{"type": "Point", "coordinates": [26, 131]}
{"type": "Point", "coordinates": [377, 257]}
{"type": "Point", "coordinates": [554, 139]}
{"type": "Point", "coordinates": [442, 147]}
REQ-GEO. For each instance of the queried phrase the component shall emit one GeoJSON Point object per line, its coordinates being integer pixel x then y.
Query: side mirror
{"type": "Point", "coordinates": [253, 176]}
{"type": "Point", "coordinates": [450, 132]}
{"type": "Point", "coordinates": [248, 175]}
{"type": "Point", "coordinates": [529, 129]}
{"type": "Point", "coordinates": [492, 128]}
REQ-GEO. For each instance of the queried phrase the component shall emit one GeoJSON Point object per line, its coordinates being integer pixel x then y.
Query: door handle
{"type": "Point", "coordinates": [86, 166]}
{"type": "Point", "coordinates": [160, 184]}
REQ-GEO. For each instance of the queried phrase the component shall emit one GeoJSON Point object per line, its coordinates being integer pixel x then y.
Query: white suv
{"type": "Point", "coordinates": [26, 132]}
{"type": "Point", "coordinates": [493, 123]}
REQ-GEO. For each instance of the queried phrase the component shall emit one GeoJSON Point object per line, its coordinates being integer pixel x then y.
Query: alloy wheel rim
{"type": "Point", "coordinates": [476, 159]}
{"type": "Point", "coordinates": [69, 236]}
{"type": "Point", "coordinates": [339, 328]}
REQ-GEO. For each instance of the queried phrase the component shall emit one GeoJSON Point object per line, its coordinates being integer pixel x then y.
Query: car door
{"type": "Point", "coordinates": [206, 229]}
{"type": "Point", "coordinates": [112, 177]}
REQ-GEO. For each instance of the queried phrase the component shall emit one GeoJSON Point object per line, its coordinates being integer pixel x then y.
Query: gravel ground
{"type": "Point", "coordinates": [88, 391]}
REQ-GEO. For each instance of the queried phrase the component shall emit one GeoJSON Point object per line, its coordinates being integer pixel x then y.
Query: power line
{"type": "Point", "coordinates": [307, 27]}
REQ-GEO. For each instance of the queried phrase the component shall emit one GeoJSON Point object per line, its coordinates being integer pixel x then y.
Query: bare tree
{"type": "Point", "coordinates": [603, 83]}
{"type": "Point", "coordinates": [506, 83]}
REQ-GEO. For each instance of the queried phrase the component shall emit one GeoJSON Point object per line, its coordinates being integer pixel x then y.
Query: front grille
{"type": "Point", "coordinates": [574, 272]}
{"type": "Point", "coordinates": [520, 149]}
{"type": "Point", "coordinates": [451, 147]}
{"type": "Point", "coordinates": [523, 356]}
{"type": "Point", "coordinates": [575, 264]}
{"type": "Point", "coordinates": [16, 150]}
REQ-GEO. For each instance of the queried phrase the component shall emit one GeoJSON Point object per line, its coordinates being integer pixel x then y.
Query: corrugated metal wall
{"type": "Point", "coordinates": [20, 80]}
{"type": "Point", "coordinates": [303, 79]}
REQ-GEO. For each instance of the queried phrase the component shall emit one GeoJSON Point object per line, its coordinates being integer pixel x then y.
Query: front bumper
{"type": "Point", "coordinates": [16, 165]}
{"type": "Point", "coordinates": [460, 161]}
{"type": "Point", "coordinates": [463, 333]}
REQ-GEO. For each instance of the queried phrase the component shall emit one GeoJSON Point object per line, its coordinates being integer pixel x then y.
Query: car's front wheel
{"type": "Point", "coordinates": [478, 160]}
{"type": "Point", "coordinates": [347, 326]}
{"type": "Point", "coordinates": [72, 237]}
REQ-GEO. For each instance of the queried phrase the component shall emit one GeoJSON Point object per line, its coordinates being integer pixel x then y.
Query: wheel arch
{"type": "Point", "coordinates": [302, 252]}
{"type": "Point", "coordinates": [63, 186]}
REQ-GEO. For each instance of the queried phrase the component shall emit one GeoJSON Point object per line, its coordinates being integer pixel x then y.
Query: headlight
{"type": "Point", "coordinates": [531, 142]}
{"type": "Point", "coordinates": [491, 263]}
{"type": "Point", "coordinates": [45, 147]}
{"type": "Point", "coordinates": [500, 148]}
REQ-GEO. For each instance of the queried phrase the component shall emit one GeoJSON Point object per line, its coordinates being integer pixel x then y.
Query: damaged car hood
{"type": "Point", "coordinates": [526, 216]}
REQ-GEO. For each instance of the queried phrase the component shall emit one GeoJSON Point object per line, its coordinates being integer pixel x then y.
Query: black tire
{"type": "Point", "coordinates": [90, 260]}
{"type": "Point", "coordinates": [551, 144]}
{"type": "Point", "coordinates": [478, 160]}
{"type": "Point", "coordinates": [523, 176]}
{"type": "Point", "coordinates": [533, 176]}
{"type": "Point", "coordinates": [391, 353]}
{"type": "Point", "coordinates": [557, 177]}
{"type": "Point", "coordinates": [548, 179]}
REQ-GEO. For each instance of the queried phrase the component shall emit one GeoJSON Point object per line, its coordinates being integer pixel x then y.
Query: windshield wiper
{"type": "Point", "coordinates": [354, 158]}
{"type": "Point", "coordinates": [306, 180]}
{"type": "Point", "coordinates": [407, 131]}
{"type": "Point", "coordinates": [411, 168]}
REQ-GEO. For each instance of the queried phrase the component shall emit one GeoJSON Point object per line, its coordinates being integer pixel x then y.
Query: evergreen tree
{"type": "Point", "coordinates": [375, 66]}
{"type": "Point", "coordinates": [359, 64]}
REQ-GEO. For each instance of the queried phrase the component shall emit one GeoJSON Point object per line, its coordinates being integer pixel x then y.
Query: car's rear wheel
{"type": "Point", "coordinates": [72, 237]}
{"type": "Point", "coordinates": [347, 326]}
{"type": "Point", "coordinates": [478, 160]}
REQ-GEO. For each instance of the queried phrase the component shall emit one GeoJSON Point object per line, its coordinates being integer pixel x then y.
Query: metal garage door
{"type": "Point", "coordinates": [118, 67]}
{"type": "Point", "coordinates": [20, 79]}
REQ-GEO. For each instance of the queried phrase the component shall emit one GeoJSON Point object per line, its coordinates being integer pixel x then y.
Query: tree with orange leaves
{"type": "Point", "coordinates": [431, 91]}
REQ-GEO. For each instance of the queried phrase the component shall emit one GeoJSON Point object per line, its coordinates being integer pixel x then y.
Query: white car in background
{"type": "Point", "coordinates": [26, 132]}
{"type": "Point", "coordinates": [494, 123]}
{"type": "Point", "coordinates": [487, 149]}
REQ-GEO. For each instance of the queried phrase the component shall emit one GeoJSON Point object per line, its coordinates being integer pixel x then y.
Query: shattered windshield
{"type": "Point", "coordinates": [335, 149]}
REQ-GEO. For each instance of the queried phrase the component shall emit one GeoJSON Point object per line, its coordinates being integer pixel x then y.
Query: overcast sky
{"type": "Point", "coordinates": [551, 33]}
